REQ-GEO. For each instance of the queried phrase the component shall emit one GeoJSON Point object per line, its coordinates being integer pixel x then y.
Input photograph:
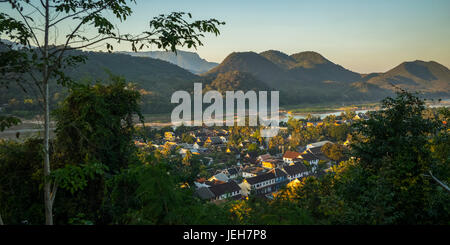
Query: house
{"type": "Point", "coordinates": [265, 183]}
{"type": "Point", "coordinates": [232, 173]}
{"type": "Point", "coordinates": [252, 172]}
{"type": "Point", "coordinates": [272, 163]}
{"type": "Point", "coordinates": [229, 190]}
{"type": "Point", "coordinates": [297, 170]}
{"type": "Point", "coordinates": [317, 151]}
{"type": "Point", "coordinates": [267, 161]}
{"type": "Point", "coordinates": [205, 193]}
{"type": "Point", "coordinates": [219, 176]}
{"type": "Point", "coordinates": [312, 159]}
{"type": "Point", "coordinates": [289, 156]}
{"type": "Point", "coordinates": [264, 157]}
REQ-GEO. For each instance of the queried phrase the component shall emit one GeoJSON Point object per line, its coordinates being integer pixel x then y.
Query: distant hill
{"type": "Point", "coordinates": [187, 60]}
{"type": "Point", "coordinates": [252, 63]}
{"type": "Point", "coordinates": [301, 78]}
{"type": "Point", "coordinates": [309, 59]}
{"type": "Point", "coordinates": [153, 74]}
{"type": "Point", "coordinates": [314, 67]}
{"type": "Point", "coordinates": [281, 59]}
{"type": "Point", "coordinates": [155, 79]}
{"type": "Point", "coordinates": [428, 77]}
{"type": "Point", "coordinates": [235, 80]}
{"type": "Point", "coordinates": [308, 77]}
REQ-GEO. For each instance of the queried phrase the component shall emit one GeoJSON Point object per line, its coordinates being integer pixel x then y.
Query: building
{"type": "Point", "coordinates": [265, 183]}
{"type": "Point", "coordinates": [290, 156]}
{"type": "Point", "coordinates": [228, 190]}
{"type": "Point", "coordinates": [297, 170]}
{"type": "Point", "coordinates": [220, 176]}
{"type": "Point", "coordinates": [232, 173]}
{"type": "Point", "coordinates": [205, 193]}
{"type": "Point", "coordinates": [264, 157]}
{"type": "Point", "coordinates": [252, 171]}
{"type": "Point", "coordinates": [311, 158]}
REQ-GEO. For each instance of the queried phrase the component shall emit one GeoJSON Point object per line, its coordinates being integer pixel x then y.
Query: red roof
{"type": "Point", "coordinates": [291, 154]}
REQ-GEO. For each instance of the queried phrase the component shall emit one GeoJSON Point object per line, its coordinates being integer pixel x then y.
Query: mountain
{"type": "Point", "coordinates": [314, 67]}
{"type": "Point", "coordinates": [281, 59]}
{"type": "Point", "coordinates": [427, 77]}
{"type": "Point", "coordinates": [235, 80]}
{"type": "Point", "coordinates": [255, 64]}
{"type": "Point", "coordinates": [309, 77]}
{"type": "Point", "coordinates": [309, 59]}
{"type": "Point", "coordinates": [302, 78]}
{"type": "Point", "coordinates": [155, 79]}
{"type": "Point", "coordinates": [153, 74]}
{"type": "Point", "coordinates": [187, 60]}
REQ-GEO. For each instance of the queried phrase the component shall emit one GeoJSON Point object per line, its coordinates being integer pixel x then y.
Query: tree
{"type": "Point", "coordinates": [187, 138]}
{"type": "Point", "coordinates": [94, 137]}
{"type": "Point", "coordinates": [388, 178]}
{"type": "Point", "coordinates": [6, 122]}
{"type": "Point", "coordinates": [20, 194]}
{"type": "Point", "coordinates": [333, 151]}
{"type": "Point", "coordinates": [44, 60]}
{"type": "Point", "coordinates": [394, 150]}
{"type": "Point", "coordinates": [187, 158]}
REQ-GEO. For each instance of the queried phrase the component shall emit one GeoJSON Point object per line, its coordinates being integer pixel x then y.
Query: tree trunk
{"type": "Point", "coordinates": [1, 221]}
{"type": "Point", "coordinates": [47, 183]}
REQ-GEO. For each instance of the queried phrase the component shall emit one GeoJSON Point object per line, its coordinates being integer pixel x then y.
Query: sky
{"type": "Point", "coordinates": [361, 35]}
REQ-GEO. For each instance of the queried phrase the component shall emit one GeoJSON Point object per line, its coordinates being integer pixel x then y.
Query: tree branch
{"type": "Point", "coordinates": [68, 16]}
{"type": "Point", "coordinates": [439, 182]}
{"type": "Point", "coordinates": [31, 30]}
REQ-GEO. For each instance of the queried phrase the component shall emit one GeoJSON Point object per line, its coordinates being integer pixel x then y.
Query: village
{"type": "Point", "coordinates": [237, 162]}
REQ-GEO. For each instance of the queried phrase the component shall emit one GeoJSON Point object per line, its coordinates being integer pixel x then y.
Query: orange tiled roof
{"type": "Point", "coordinates": [291, 154]}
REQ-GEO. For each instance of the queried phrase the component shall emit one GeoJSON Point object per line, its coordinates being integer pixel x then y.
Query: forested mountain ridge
{"type": "Point", "coordinates": [430, 77]}
{"type": "Point", "coordinates": [302, 78]}
{"type": "Point", "coordinates": [308, 77]}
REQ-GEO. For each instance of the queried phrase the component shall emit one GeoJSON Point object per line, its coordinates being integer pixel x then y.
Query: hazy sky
{"type": "Point", "coordinates": [361, 35]}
